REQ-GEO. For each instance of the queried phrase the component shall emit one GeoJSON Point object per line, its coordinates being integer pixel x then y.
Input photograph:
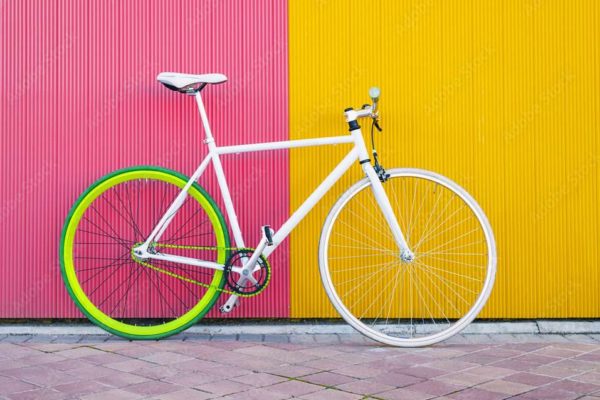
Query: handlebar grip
{"type": "Point", "coordinates": [374, 94]}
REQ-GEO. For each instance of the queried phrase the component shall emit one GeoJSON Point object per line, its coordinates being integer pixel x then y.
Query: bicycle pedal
{"type": "Point", "coordinates": [268, 234]}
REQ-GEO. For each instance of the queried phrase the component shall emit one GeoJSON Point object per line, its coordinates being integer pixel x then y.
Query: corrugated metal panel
{"type": "Point", "coordinates": [80, 99]}
{"type": "Point", "coordinates": [499, 96]}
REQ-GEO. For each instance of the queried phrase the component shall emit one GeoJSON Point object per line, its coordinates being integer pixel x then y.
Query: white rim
{"type": "Point", "coordinates": [379, 336]}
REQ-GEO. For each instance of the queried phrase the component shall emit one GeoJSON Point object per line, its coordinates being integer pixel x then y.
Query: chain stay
{"type": "Point", "coordinates": [195, 282]}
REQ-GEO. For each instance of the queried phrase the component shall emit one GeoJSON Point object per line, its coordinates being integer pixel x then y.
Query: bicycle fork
{"type": "Point", "coordinates": [383, 201]}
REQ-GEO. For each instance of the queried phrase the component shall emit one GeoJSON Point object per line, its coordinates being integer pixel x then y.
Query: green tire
{"type": "Point", "coordinates": [68, 269]}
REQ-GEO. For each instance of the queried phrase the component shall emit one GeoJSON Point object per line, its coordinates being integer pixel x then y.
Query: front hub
{"type": "Point", "coordinates": [407, 256]}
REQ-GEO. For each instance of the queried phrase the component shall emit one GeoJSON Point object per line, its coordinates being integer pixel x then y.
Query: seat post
{"type": "Point", "coordinates": [209, 137]}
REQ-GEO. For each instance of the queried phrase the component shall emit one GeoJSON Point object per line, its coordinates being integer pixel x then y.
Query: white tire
{"type": "Point", "coordinates": [439, 326]}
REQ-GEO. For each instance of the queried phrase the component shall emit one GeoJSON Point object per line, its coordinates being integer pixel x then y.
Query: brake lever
{"type": "Point", "coordinates": [376, 124]}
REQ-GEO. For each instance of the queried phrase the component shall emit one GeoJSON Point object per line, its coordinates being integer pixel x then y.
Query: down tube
{"type": "Point", "coordinates": [312, 200]}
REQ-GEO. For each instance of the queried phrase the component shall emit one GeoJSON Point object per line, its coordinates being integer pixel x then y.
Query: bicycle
{"type": "Point", "coordinates": [145, 252]}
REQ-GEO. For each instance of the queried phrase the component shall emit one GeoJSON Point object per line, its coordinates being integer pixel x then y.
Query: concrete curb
{"type": "Point", "coordinates": [565, 327]}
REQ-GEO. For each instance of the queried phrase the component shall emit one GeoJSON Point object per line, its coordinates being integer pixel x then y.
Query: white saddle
{"type": "Point", "coordinates": [187, 83]}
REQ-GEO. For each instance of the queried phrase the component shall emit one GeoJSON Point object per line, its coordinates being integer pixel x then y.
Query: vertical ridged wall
{"type": "Point", "coordinates": [80, 99]}
{"type": "Point", "coordinates": [500, 96]}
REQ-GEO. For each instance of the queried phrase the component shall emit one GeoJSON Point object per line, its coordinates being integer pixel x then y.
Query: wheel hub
{"type": "Point", "coordinates": [407, 256]}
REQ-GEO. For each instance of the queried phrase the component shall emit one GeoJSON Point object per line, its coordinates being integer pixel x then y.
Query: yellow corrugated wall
{"type": "Point", "coordinates": [500, 96]}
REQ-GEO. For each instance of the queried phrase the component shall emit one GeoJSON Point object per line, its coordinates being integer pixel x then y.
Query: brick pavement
{"type": "Point", "coordinates": [309, 367]}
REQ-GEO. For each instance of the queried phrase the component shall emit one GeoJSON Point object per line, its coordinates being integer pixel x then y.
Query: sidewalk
{"type": "Point", "coordinates": [318, 366]}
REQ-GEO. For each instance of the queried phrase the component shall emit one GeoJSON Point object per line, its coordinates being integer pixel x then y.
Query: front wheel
{"type": "Point", "coordinates": [415, 303]}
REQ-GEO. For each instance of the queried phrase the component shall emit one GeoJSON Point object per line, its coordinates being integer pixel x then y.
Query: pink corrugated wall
{"type": "Point", "coordinates": [79, 99]}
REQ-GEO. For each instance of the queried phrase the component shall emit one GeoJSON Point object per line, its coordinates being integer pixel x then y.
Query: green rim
{"type": "Point", "coordinates": [79, 297]}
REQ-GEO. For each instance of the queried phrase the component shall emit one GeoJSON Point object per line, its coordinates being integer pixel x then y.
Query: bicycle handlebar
{"type": "Point", "coordinates": [366, 110]}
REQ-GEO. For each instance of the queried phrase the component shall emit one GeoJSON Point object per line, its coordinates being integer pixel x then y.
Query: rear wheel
{"type": "Point", "coordinates": [408, 303]}
{"type": "Point", "coordinates": [122, 295]}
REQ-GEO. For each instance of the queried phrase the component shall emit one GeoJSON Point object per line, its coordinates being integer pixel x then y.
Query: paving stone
{"type": "Point", "coordinates": [489, 371]}
{"type": "Point", "coordinates": [166, 358]}
{"type": "Point", "coordinates": [423, 372]}
{"type": "Point", "coordinates": [463, 378]}
{"type": "Point", "coordinates": [327, 379]}
{"type": "Point", "coordinates": [250, 337]}
{"type": "Point", "coordinates": [151, 388]}
{"type": "Point", "coordinates": [530, 379]}
{"type": "Point", "coordinates": [91, 372]}
{"type": "Point", "coordinates": [120, 379]}
{"type": "Point", "coordinates": [90, 339]}
{"type": "Point", "coordinates": [43, 339]}
{"type": "Point", "coordinates": [294, 388]}
{"type": "Point", "coordinates": [129, 365]}
{"type": "Point", "coordinates": [41, 376]}
{"type": "Point", "coordinates": [404, 394]}
{"type": "Point", "coordinates": [18, 338]}
{"type": "Point", "coordinates": [37, 394]}
{"type": "Point", "coordinates": [69, 339]}
{"type": "Point", "coordinates": [224, 338]}
{"type": "Point", "coordinates": [302, 339]}
{"type": "Point", "coordinates": [588, 377]}
{"type": "Point", "coordinates": [396, 379]}
{"type": "Point", "coordinates": [259, 379]}
{"type": "Point", "coordinates": [199, 337]}
{"type": "Point", "coordinates": [331, 394]}
{"type": "Point", "coordinates": [556, 372]}
{"type": "Point", "coordinates": [327, 339]}
{"type": "Point", "coordinates": [185, 394]}
{"type": "Point", "coordinates": [575, 386]}
{"type": "Point", "coordinates": [186, 367]}
{"type": "Point", "coordinates": [476, 394]}
{"type": "Point", "coordinates": [156, 372]}
{"type": "Point", "coordinates": [222, 387]}
{"type": "Point", "coordinates": [13, 385]}
{"type": "Point", "coordinates": [256, 394]}
{"type": "Point", "coordinates": [104, 358]}
{"type": "Point", "coordinates": [292, 371]}
{"type": "Point", "coordinates": [276, 339]}
{"type": "Point", "coordinates": [113, 394]}
{"type": "Point", "coordinates": [433, 387]}
{"type": "Point", "coordinates": [548, 394]}
{"type": "Point", "coordinates": [80, 352]}
{"type": "Point", "coordinates": [77, 389]}
{"type": "Point", "coordinates": [358, 371]}
{"type": "Point", "coordinates": [505, 387]}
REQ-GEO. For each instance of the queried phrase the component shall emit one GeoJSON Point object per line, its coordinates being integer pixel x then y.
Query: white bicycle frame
{"type": "Point", "coordinates": [357, 153]}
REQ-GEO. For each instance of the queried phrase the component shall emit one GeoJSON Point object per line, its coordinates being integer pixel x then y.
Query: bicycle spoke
{"type": "Point", "coordinates": [129, 295]}
{"type": "Point", "coordinates": [407, 301]}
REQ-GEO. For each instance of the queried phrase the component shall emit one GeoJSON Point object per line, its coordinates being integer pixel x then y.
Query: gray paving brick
{"type": "Point", "coordinates": [277, 338]}
{"type": "Point", "coordinates": [301, 339]}
{"type": "Point", "coordinates": [18, 338]}
{"type": "Point", "coordinates": [250, 337]}
{"type": "Point", "coordinates": [224, 338]}
{"type": "Point", "coordinates": [197, 337]}
{"type": "Point", "coordinates": [94, 338]}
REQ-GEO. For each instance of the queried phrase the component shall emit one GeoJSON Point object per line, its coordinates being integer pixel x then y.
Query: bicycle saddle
{"type": "Point", "coordinates": [186, 83]}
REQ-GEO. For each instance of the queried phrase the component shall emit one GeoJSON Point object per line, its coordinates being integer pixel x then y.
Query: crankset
{"type": "Point", "coordinates": [255, 282]}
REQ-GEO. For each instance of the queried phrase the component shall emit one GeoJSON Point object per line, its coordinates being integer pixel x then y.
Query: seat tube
{"type": "Point", "coordinates": [218, 167]}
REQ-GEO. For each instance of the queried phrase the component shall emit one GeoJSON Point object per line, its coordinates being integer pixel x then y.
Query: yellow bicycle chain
{"type": "Point", "coordinates": [195, 282]}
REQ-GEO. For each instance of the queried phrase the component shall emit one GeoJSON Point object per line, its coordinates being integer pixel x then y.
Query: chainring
{"type": "Point", "coordinates": [262, 276]}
